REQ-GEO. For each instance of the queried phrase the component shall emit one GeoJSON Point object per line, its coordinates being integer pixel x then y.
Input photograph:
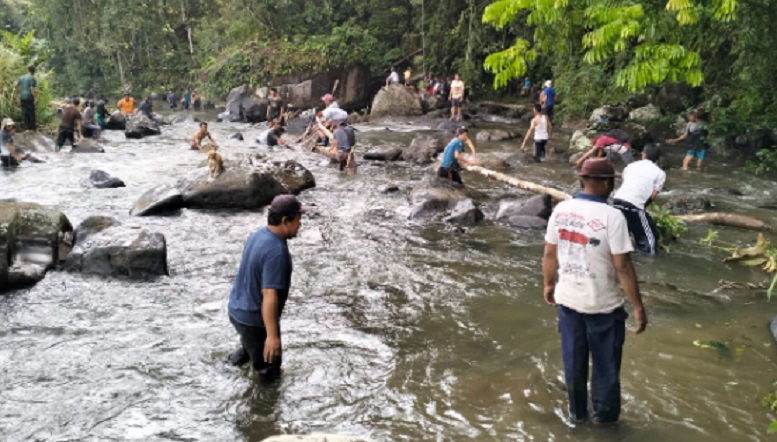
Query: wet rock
{"type": "Point", "coordinates": [383, 154]}
{"type": "Point", "coordinates": [156, 201]}
{"type": "Point", "coordinates": [243, 105]}
{"type": "Point", "coordinates": [574, 157]}
{"type": "Point", "coordinates": [773, 328]}
{"type": "Point", "coordinates": [396, 100]}
{"type": "Point", "coordinates": [103, 246]}
{"type": "Point", "coordinates": [102, 180]}
{"type": "Point", "coordinates": [422, 150]}
{"type": "Point", "coordinates": [184, 119]}
{"type": "Point", "coordinates": [609, 113]}
{"type": "Point", "coordinates": [34, 142]}
{"type": "Point", "coordinates": [388, 188]}
{"type": "Point", "coordinates": [492, 162]}
{"type": "Point", "coordinates": [431, 102]}
{"type": "Point", "coordinates": [650, 112]}
{"type": "Point", "coordinates": [537, 206]}
{"type": "Point", "coordinates": [580, 142]}
{"type": "Point", "coordinates": [438, 198]}
{"type": "Point", "coordinates": [88, 146]}
{"type": "Point", "coordinates": [494, 135]}
{"type": "Point", "coordinates": [449, 126]}
{"type": "Point", "coordinates": [236, 136]}
{"type": "Point", "coordinates": [639, 136]}
{"type": "Point", "coordinates": [316, 438]}
{"type": "Point", "coordinates": [527, 222]}
{"type": "Point", "coordinates": [688, 205]}
{"type": "Point", "coordinates": [139, 126]}
{"type": "Point", "coordinates": [244, 187]}
{"type": "Point", "coordinates": [519, 159]}
{"type": "Point", "coordinates": [116, 122]}
{"type": "Point", "coordinates": [304, 91]}
{"type": "Point", "coordinates": [33, 239]}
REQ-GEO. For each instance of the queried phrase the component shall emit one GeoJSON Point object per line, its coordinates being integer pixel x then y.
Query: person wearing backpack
{"type": "Point", "coordinates": [614, 145]}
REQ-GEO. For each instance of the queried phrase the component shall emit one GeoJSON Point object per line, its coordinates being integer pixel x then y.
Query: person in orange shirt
{"type": "Point", "coordinates": [126, 105]}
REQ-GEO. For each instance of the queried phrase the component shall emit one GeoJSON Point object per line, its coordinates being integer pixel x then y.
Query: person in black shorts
{"type": "Point", "coordinates": [69, 124]}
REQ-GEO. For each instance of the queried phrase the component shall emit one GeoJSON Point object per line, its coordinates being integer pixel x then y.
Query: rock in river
{"type": "Point", "coordinates": [33, 239]}
{"type": "Point", "coordinates": [116, 122]}
{"type": "Point", "coordinates": [103, 180]}
{"type": "Point", "coordinates": [396, 100]}
{"type": "Point", "coordinates": [139, 126]}
{"type": "Point", "coordinates": [438, 198]}
{"type": "Point", "coordinates": [494, 135]}
{"type": "Point", "coordinates": [34, 142]}
{"type": "Point", "coordinates": [158, 200]}
{"type": "Point", "coordinates": [244, 105]}
{"type": "Point", "coordinates": [383, 154]}
{"type": "Point", "coordinates": [537, 206]}
{"type": "Point", "coordinates": [422, 150]}
{"type": "Point", "coordinates": [688, 205]}
{"type": "Point", "coordinates": [103, 246]}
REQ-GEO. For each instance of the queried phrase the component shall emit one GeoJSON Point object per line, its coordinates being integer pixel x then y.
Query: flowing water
{"type": "Point", "coordinates": [395, 330]}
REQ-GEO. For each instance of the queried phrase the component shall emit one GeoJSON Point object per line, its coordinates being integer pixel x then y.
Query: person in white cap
{"type": "Point", "coordinates": [9, 157]}
{"type": "Point", "coordinates": [548, 99]}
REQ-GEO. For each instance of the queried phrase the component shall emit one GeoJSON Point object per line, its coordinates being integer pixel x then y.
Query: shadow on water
{"type": "Point", "coordinates": [395, 330]}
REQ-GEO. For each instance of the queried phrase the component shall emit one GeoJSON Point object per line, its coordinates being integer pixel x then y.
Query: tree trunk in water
{"type": "Point", "coordinates": [726, 219]}
{"type": "Point", "coordinates": [521, 184]}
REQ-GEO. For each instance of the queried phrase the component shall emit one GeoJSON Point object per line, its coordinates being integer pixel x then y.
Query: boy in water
{"type": "Point", "coordinates": [200, 135]}
{"type": "Point", "coordinates": [543, 130]}
{"type": "Point", "coordinates": [695, 131]}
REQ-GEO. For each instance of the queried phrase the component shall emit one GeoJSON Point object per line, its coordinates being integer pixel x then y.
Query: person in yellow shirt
{"type": "Point", "coordinates": [126, 105]}
{"type": "Point", "coordinates": [408, 74]}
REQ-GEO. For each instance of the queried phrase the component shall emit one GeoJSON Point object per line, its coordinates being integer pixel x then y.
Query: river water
{"type": "Point", "coordinates": [395, 330]}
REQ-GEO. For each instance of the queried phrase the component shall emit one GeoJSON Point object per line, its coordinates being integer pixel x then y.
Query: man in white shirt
{"type": "Point", "coordinates": [393, 78]}
{"type": "Point", "coordinates": [642, 180]}
{"type": "Point", "coordinates": [588, 243]}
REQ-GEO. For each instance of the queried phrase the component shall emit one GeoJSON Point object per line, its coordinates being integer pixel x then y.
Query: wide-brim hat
{"type": "Point", "coordinates": [7, 122]}
{"type": "Point", "coordinates": [597, 168]}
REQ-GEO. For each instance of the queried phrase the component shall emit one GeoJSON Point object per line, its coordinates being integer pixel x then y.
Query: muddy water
{"type": "Point", "coordinates": [395, 330]}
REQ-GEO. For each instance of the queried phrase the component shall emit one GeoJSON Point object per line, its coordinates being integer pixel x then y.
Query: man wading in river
{"type": "Point", "coordinates": [262, 286]}
{"type": "Point", "coordinates": [453, 153]}
{"type": "Point", "coordinates": [588, 242]}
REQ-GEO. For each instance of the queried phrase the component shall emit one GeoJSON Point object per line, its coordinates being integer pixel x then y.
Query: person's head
{"type": "Point", "coordinates": [592, 135]}
{"type": "Point", "coordinates": [549, 83]}
{"type": "Point", "coordinates": [328, 99]}
{"type": "Point", "coordinates": [393, 69]}
{"type": "Point", "coordinates": [31, 70]}
{"type": "Point", "coordinates": [88, 104]}
{"type": "Point", "coordinates": [126, 95]}
{"type": "Point", "coordinates": [76, 101]}
{"type": "Point", "coordinates": [278, 128]}
{"type": "Point", "coordinates": [273, 91]}
{"type": "Point", "coordinates": [457, 77]}
{"type": "Point", "coordinates": [148, 99]}
{"type": "Point", "coordinates": [8, 125]}
{"type": "Point", "coordinates": [693, 116]}
{"type": "Point", "coordinates": [537, 109]}
{"type": "Point", "coordinates": [597, 177]}
{"type": "Point", "coordinates": [462, 133]}
{"type": "Point", "coordinates": [203, 126]}
{"type": "Point", "coordinates": [285, 215]}
{"type": "Point", "coordinates": [651, 152]}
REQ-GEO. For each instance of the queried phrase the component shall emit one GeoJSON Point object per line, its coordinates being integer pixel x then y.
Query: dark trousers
{"type": "Point", "coordinates": [602, 337]}
{"type": "Point", "coordinates": [539, 149]}
{"type": "Point", "coordinates": [65, 135]}
{"type": "Point", "coordinates": [28, 114]}
{"type": "Point", "coordinates": [641, 226]}
{"type": "Point", "coordinates": [548, 110]}
{"type": "Point", "coordinates": [448, 172]}
{"type": "Point", "coordinates": [8, 161]}
{"type": "Point", "coordinates": [252, 339]}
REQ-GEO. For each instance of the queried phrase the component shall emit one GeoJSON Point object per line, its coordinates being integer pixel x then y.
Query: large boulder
{"type": "Point", "coordinates": [139, 126]}
{"type": "Point", "coordinates": [688, 205]}
{"type": "Point", "coordinates": [102, 180]}
{"type": "Point", "coordinates": [439, 199]}
{"type": "Point", "coordinates": [89, 145]}
{"type": "Point", "coordinates": [493, 161]}
{"type": "Point", "coordinates": [158, 200]}
{"type": "Point", "coordinates": [33, 239]}
{"type": "Point", "coordinates": [650, 112]}
{"type": "Point", "coordinates": [396, 100]}
{"type": "Point", "coordinates": [494, 135]}
{"type": "Point", "coordinates": [527, 222]}
{"type": "Point", "coordinates": [536, 206]}
{"type": "Point", "coordinates": [34, 142]}
{"type": "Point", "coordinates": [383, 154]}
{"type": "Point", "coordinates": [244, 105]}
{"type": "Point", "coordinates": [116, 122]}
{"type": "Point", "coordinates": [304, 91]}
{"type": "Point", "coordinates": [105, 247]}
{"type": "Point", "coordinates": [639, 136]}
{"type": "Point", "coordinates": [609, 113]}
{"type": "Point", "coordinates": [580, 142]}
{"type": "Point", "coordinates": [422, 150]}
{"type": "Point", "coordinates": [244, 187]}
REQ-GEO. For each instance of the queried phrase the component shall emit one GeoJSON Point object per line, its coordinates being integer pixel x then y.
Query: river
{"type": "Point", "coordinates": [394, 330]}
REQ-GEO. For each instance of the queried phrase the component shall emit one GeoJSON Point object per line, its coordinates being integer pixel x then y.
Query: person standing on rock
{"type": "Point", "coordinates": [408, 74]}
{"type": "Point", "coordinates": [126, 105]}
{"type": "Point", "coordinates": [274, 107]}
{"type": "Point", "coordinates": [695, 131]}
{"type": "Point", "coordinates": [28, 95]}
{"type": "Point", "coordinates": [9, 157]}
{"type": "Point", "coordinates": [453, 154]}
{"type": "Point", "coordinates": [548, 99]}
{"type": "Point", "coordinates": [642, 181]}
{"type": "Point", "coordinates": [200, 136]}
{"type": "Point", "coordinates": [588, 243]}
{"type": "Point", "coordinates": [393, 78]}
{"type": "Point", "coordinates": [456, 97]}
{"type": "Point", "coordinates": [171, 99]}
{"type": "Point", "coordinates": [69, 124]}
{"type": "Point", "coordinates": [102, 114]}
{"type": "Point", "coordinates": [543, 131]}
{"type": "Point", "coordinates": [261, 288]}
{"type": "Point", "coordinates": [146, 108]}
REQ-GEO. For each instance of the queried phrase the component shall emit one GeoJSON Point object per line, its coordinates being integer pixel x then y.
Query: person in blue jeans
{"type": "Point", "coordinates": [261, 288]}
{"type": "Point", "coordinates": [548, 99]}
{"type": "Point", "coordinates": [588, 244]}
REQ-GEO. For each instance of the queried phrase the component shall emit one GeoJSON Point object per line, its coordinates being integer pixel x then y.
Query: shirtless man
{"type": "Point", "coordinates": [200, 135]}
{"type": "Point", "coordinates": [456, 97]}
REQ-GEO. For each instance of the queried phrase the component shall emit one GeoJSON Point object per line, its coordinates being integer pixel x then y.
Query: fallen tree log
{"type": "Point", "coordinates": [521, 184]}
{"type": "Point", "coordinates": [726, 219]}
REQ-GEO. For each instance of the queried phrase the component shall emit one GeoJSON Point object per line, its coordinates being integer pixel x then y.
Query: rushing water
{"type": "Point", "coordinates": [394, 330]}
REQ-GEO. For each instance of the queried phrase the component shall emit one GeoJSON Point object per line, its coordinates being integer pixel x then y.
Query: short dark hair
{"type": "Point", "coordinates": [272, 89]}
{"type": "Point", "coordinates": [203, 124]}
{"type": "Point", "coordinates": [652, 152]}
{"type": "Point", "coordinates": [276, 219]}
{"type": "Point", "coordinates": [31, 69]}
{"type": "Point", "coordinates": [76, 101]}
{"type": "Point", "coordinates": [538, 107]}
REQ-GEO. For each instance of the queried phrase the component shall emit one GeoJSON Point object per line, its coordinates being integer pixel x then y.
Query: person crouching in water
{"type": "Point", "coordinates": [611, 147]}
{"type": "Point", "coordinates": [453, 154]}
{"type": "Point", "coordinates": [342, 147]}
{"type": "Point", "coordinates": [200, 135]}
{"type": "Point", "coordinates": [543, 131]}
{"type": "Point", "coordinates": [642, 180]}
{"type": "Point", "coordinates": [9, 157]}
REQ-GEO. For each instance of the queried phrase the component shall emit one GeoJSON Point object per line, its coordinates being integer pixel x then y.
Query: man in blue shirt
{"type": "Point", "coordinates": [548, 99]}
{"type": "Point", "coordinates": [261, 288]}
{"type": "Point", "coordinates": [449, 166]}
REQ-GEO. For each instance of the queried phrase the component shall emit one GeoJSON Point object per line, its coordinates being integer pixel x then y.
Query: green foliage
{"type": "Point", "coordinates": [13, 66]}
{"type": "Point", "coordinates": [765, 161]}
{"type": "Point", "coordinates": [723, 350]}
{"type": "Point", "coordinates": [710, 239]}
{"type": "Point", "coordinates": [669, 228]}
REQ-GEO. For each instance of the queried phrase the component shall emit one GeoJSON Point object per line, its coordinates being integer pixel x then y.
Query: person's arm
{"type": "Point", "coordinates": [474, 152]}
{"type": "Point", "coordinates": [680, 138]}
{"type": "Point", "coordinates": [270, 308]}
{"type": "Point", "coordinates": [549, 266]}
{"type": "Point", "coordinates": [78, 128]}
{"type": "Point", "coordinates": [210, 137]}
{"type": "Point", "coordinates": [585, 156]}
{"type": "Point", "coordinates": [543, 98]}
{"type": "Point", "coordinates": [196, 140]}
{"type": "Point", "coordinates": [628, 279]}
{"type": "Point", "coordinates": [529, 132]}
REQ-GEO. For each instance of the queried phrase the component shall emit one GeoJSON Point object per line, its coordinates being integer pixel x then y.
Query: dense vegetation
{"type": "Point", "coordinates": [597, 50]}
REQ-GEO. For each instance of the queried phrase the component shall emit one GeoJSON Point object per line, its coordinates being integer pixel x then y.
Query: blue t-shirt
{"type": "Point", "coordinates": [266, 264]}
{"type": "Point", "coordinates": [527, 83]}
{"type": "Point", "coordinates": [550, 96]}
{"type": "Point", "coordinates": [449, 156]}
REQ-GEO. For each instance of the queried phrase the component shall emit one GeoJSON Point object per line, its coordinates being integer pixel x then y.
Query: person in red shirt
{"type": "Point", "coordinates": [607, 145]}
